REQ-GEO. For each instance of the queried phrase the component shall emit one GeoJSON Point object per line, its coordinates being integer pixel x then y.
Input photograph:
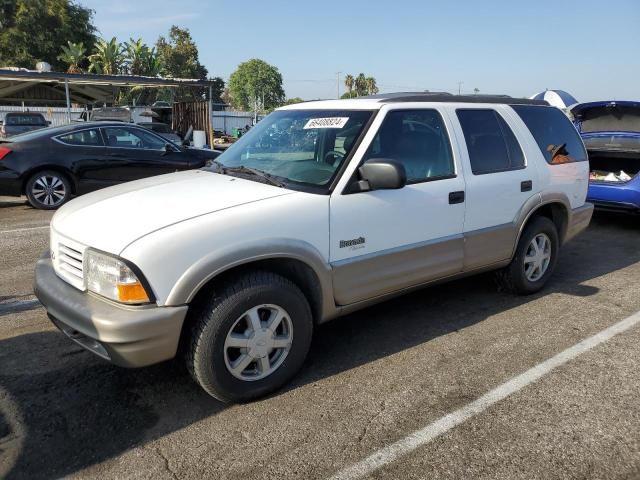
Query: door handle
{"type": "Point", "coordinates": [526, 186]}
{"type": "Point", "coordinates": [456, 197]}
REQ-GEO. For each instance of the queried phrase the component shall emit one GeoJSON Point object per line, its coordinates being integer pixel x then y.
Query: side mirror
{"type": "Point", "coordinates": [168, 148]}
{"type": "Point", "coordinates": [380, 174]}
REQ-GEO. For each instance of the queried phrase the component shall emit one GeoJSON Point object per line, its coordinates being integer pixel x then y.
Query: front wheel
{"type": "Point", "coordinates": [535, 258]}
{"type": "Point", "coordinates": [48, 190]}
{"type": "Point", "coordinates": [250, 337]}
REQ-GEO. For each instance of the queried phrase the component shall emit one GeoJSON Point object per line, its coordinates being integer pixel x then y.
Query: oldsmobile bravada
{"type": "Point", "coordinates": [321, 209]}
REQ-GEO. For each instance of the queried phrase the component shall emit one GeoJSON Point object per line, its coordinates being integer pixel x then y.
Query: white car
{"type": "Point", "coordinates": [322, 209]}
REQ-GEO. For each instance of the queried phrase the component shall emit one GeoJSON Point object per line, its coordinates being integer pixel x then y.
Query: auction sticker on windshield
{"type": "Point", "coordinates": [327, 122]}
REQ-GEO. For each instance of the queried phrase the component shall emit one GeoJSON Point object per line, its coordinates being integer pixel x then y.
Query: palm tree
{"type": "Point", "coordinates": [372, 86]}
{"type": "Point", "coordinates": [73, 54]}
{"type": "Point", "coordinates": [152, 63]}
{"type": "Point", "coordinates": [348, 83]}
{"type": "Point", "coordinates": [135, 53]}
{"type": "Point", "coordinates": [361, 84]}
{"type": "Point", "coordinates": [107, 58]}
{"type": "Point", "coordinates": [476, 90]}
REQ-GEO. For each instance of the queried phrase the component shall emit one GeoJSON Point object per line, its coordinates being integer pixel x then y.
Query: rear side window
{"type": "Point", "coordinates": [556, 136]}
{"type": "Point", "coordinates": [82, 138]}
{"type": "Point", "coordinates": [491, 144]}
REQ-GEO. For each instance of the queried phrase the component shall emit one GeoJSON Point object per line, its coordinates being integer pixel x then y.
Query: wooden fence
{"type": "Point", "coordinates": [192, 114]}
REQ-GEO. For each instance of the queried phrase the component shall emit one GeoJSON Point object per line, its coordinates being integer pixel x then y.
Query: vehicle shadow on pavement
{"type": "Point", "coordinates": [75, 410]}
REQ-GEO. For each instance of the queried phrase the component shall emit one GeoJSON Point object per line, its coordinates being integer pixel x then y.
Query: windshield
{"type": "Point", "coordinates": [157, 127]}
{"type": "Point", "coordinates": [25, 119]}
{"type": "Point", "coordinates": [303, 147]}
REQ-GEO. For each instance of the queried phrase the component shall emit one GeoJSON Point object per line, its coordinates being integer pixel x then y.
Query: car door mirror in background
{"type": "Point", "coordinates": [380, 174]}
{"type": "Point", "coordinates": [168, 148]}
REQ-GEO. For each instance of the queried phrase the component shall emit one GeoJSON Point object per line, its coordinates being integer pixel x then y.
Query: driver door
{"type": "Point", "coordinates": [136, 153]}
{"type": "Point", "coordinates": [387, 240]}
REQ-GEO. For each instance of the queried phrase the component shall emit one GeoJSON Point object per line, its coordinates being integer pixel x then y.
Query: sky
{"type": "Point", "coordinates": [589, 48]}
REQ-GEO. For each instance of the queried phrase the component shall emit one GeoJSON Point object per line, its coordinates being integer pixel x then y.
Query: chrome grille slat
{"type": "Point", "coordinates": [71, 261]}
{"type": "Point", "coordinates": [72, 270]}
{"type": "Point", "coordinates": [70, 252]}
{"type": "Point", "coordinates": [68, 263]}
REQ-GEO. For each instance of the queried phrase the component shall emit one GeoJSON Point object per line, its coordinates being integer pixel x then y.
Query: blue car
{"type": "Point", "coordinates": [611, 132]}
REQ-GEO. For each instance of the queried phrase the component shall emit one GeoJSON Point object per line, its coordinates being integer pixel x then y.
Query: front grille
{"type": "Point", "coordinates": [70, 260]}
{"type": "Point", "coordinates": [67, 260]}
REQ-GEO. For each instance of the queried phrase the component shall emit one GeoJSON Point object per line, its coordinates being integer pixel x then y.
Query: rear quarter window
{"type": "Point", "coordinates": [558, 139]}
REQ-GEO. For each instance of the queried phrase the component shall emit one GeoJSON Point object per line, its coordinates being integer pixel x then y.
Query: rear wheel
{"type": "Point", "coordinates": [48, 190]}
{"type": "Point", "coordinates": [535, 258]}
{"type": "Point", "coordinates": [249, 338]}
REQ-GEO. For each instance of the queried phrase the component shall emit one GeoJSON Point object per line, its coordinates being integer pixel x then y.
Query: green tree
{"type": "Point", "coordinates": [349, 82]}
{"type": "Point", "coordinates": [179, 55]}
{"type": "Point", "coordinates": [361, 85]}
{"type": "Point", "coordinates": [33, 31]}
{"type": "Point", "coordinates": [136, 53]}
{"type": "Point", "coordinates": [107, 58]}
{"type": "Point", "coordinates": [291, 101]}
{"type": "Point", "coordinates": [372, 86]}
{"type": "Point", "coordinates": [73, 54]}
{"type": "Point", "coordinates": [256, 85]}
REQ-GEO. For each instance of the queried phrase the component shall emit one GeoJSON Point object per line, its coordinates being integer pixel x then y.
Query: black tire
{"type": "Point", "coordinates": [55, 188]}
{"type": "Point", "coordinates": [214, 318]}
{"type": "Point", "coordinates": [513, 277]}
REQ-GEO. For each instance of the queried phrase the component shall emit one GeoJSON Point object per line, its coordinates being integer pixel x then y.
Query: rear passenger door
{"type": "Point", "coordinates": [498, 182]}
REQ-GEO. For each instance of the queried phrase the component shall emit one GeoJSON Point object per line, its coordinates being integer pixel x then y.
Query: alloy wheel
{"type": "Point", "coordinates": [537, 257]}
{"type": "Point", "coordinates": [49, 190]}
{"type": "Point", "coordinates": [258, 342]}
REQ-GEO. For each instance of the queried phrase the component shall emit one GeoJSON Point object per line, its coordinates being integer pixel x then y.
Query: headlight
{"type": "Point", "coordinates": [112, 278]}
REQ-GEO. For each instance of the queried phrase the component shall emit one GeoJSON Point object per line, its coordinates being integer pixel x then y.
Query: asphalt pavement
{"type": "Point", "coordinates": [374, 380]}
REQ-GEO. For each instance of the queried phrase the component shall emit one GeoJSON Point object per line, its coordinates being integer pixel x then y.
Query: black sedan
{"type": "Point", "coordinates": [49, 166]}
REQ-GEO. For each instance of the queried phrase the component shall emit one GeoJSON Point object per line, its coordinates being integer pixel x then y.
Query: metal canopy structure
{"type": "Point", "coordinates": [54, 88]}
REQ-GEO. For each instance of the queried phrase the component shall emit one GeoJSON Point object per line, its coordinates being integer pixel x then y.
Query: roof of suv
{"type": "Point", "coordinates": [377, 101]}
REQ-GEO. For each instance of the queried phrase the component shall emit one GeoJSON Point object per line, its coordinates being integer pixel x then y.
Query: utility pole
{"type": "Point", "coordinates": [338, 74]}
{"type": "Point", "coordinates": [460, 87]}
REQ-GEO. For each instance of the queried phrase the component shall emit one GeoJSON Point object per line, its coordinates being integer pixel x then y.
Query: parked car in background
{"type": "Point", "coordinates": [15, 123]}
{"type": "Point", "coordinates": [611, 132]}
{"type": "Point", "coordinates": [50, 166]}
{"type": "Point", "coordinates": [238, 263]}
{"type": "Point", "coordinates": [163, 130]}
{"type": "Point", "coordinates": [109, 114]}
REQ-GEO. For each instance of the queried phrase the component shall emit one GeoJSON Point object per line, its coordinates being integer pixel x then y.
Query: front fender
{"type": "Point", "coordinates": [231, 256]}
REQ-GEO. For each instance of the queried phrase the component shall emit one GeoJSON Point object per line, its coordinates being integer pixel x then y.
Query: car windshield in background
{"type": "Point", "coordinates": [157, 127]}
{"type": "Point", "coordinates": [26, 120]}
{"type": "Point", "coordinates": [303, 147]}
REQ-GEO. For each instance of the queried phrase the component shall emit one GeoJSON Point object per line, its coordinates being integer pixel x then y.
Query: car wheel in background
{"type": "Point", "coordinates": [48, 189]}
{"type": "Point", "coordinates": [249, 337]}
{"type": "Point", "coordinates": [535, 258]}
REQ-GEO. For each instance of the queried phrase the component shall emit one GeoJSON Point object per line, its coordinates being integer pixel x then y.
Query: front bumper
{"type": "Point", "coordinates": [126, 336]}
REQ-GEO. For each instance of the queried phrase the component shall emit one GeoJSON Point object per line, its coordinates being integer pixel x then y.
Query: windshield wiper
{"type": "Point", "coordinates": [248, 171]}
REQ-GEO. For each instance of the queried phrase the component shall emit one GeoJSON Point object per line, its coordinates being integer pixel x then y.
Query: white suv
{"type": "Point", "coordinates": [322, 209]}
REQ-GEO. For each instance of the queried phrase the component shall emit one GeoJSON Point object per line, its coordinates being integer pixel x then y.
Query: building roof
{"type": "Point", "coordinates": [29, 86]}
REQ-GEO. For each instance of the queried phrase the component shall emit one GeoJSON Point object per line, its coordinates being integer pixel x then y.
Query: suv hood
{"type": "Point", "coordinates": [112, 218]}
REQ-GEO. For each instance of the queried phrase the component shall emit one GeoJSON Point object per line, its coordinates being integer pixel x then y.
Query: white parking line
{"type": "Point", "coordinates": [425, 435]}
{"type": "Point", "coordinates": [26, 229]}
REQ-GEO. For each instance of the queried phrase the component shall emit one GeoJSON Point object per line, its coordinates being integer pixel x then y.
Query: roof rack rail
{"type": "Point", "coordinates": [398, 97]}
